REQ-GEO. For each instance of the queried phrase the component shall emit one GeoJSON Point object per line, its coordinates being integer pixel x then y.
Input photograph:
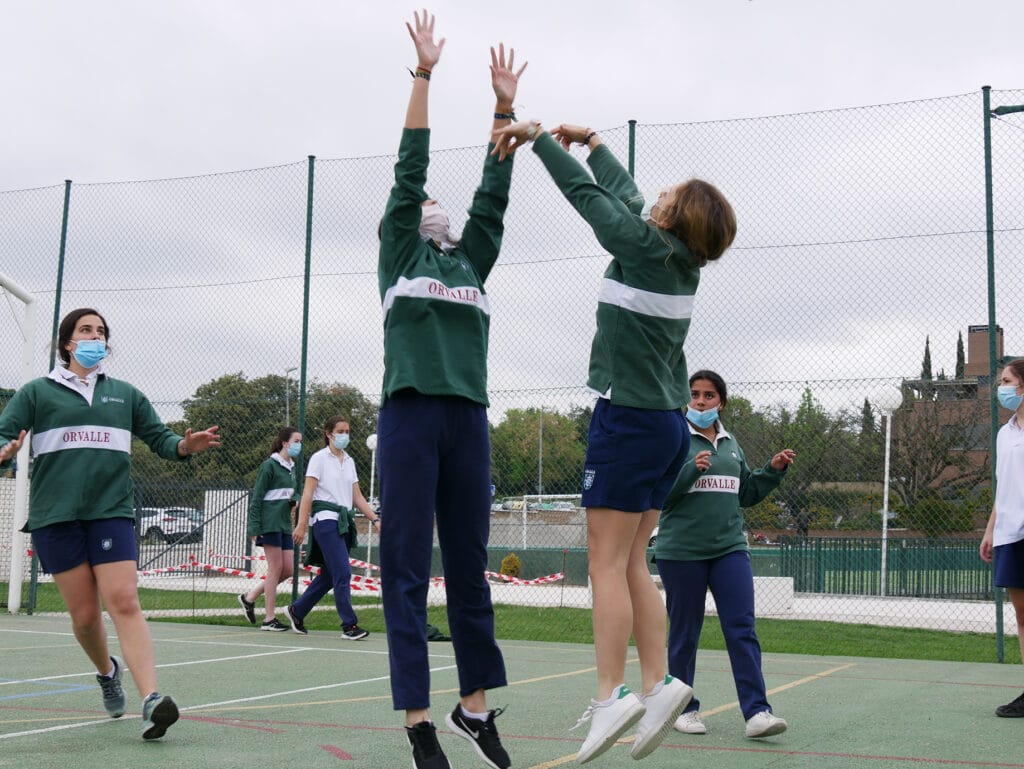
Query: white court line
{"type": "Point", "coordinates": [303, 691]}
{"type": "Point", "coordinates": [166, 665]}
{"type": "Point", "coordinates": [31, 732]}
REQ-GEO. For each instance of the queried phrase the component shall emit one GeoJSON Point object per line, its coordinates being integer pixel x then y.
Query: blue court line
{"type": "Point", "coordinates": [52, 689]}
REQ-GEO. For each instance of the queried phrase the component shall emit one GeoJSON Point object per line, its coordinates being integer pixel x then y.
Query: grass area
{"type": "Point", "coordinates": [527, 623]}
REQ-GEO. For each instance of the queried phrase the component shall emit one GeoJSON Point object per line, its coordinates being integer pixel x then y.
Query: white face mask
{"type": "Point", "coordinates": [434, 224]}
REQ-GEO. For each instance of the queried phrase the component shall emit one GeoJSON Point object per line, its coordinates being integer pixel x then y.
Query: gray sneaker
{"type": "Point", "coordinates": [158, 713]}
{"type": "Point", "coordinates": [113, 692]}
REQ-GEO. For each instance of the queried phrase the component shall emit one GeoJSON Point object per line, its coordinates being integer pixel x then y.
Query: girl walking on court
{"type": "Point", "coordinates": [1003, 542]}
{"type": "Point", "coordinates": [270, 522]}
{"type": "Point", "coordinates": [434, 446]}
{"type": "Point", "coordinates": [701, 546]}
{"type": "Point", "coordinates": [638, 439]}
{"type": "Point", "coordinates": [82, 508]}
{"type": "Point", "coordinates": [330, 497]}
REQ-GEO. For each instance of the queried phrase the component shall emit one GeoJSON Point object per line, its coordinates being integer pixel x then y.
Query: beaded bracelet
{"type": "Point", "coordinates": [420, 72]}
{"type": "Point", "coordinates": [588, 137]}
{"type": "Point", "coordinates": [503, 116]}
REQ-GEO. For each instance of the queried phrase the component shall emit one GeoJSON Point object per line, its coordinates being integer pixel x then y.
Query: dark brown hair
{"type": "Point", "coordinates": [284, 435]}
{"type": "Point", "coordinates": [1017, 367]}
{"type": "Point", "coordinates": [716, 381]}
{"type": "Point", "coordinates": [67, 328]}
{"type": "Point", "coordinates": [330, 424]}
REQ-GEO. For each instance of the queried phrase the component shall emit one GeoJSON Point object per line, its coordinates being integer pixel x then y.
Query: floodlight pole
{"type": "Point", "coordinates": [990, 243]}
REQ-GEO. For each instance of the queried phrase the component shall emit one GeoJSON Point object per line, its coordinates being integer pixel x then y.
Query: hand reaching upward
{"type": "Point", "coordinates": [504, 80]}
{"type": "Point", "coordinates": [427, 51]}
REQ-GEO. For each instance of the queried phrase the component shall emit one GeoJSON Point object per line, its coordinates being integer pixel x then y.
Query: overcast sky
{"type": "Point", "coordinates": [109, 91]}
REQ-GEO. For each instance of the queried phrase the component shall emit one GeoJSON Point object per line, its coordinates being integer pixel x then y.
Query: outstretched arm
{"type": "Point", "coordinates": [427, 54]}
{"type": "Point", "coordinates": [481, 237]}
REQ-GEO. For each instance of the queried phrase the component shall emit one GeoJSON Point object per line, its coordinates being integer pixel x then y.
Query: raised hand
{"type": "Point", "coordinates": [783, 459]}
{"type": "Point", "coordinates": [504, 80]}
{"type": "Point", "coordinates": [427, 51]}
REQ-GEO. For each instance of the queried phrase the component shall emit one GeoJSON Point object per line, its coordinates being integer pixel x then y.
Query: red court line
{"type": "Point", "coordinates": [336, 752]}
{"type": "Point", "coordinates": [233, 722]}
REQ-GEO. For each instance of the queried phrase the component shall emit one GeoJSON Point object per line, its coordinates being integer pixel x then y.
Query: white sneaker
{"type": "Point", "coordinates": [608, 722]}
{"type": "Point", "coordinates": [664, 704]}
{"type": "Point", "coordinates": [690, 723]}
{"type": "Point", "coordinates": [764, 724]}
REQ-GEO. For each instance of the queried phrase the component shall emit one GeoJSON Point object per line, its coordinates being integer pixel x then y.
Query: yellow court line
{"type": "Point", "coordinates": [721, 709]}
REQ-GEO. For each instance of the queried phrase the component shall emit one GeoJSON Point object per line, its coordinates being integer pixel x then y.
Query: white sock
{"type": "Point", "coordinates": [471, 714]}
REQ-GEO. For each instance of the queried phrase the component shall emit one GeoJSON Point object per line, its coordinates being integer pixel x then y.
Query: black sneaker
{"type": "Point", "coordinates": [1013, 709]}
{"type": "Point", "coordinates": [274, 625]}
{"type": "Point", "coordinates": [248, 607]}
{"type": "Point", "coordinates": [297, 624]}
{"type": "Point", "coordinates": [482, 734]}
{"type": "Point", "coordinates": [113, 693]}
{"type": "Point", "coordinates": [354, 633]}
{"type": "Point", "coordinates": [426, 751]}
{"type": "Point", "coordinates": [158, 713]}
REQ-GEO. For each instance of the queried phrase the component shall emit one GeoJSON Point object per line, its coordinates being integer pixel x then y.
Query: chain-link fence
{"type": "Point", "coordinates": [858, 281]}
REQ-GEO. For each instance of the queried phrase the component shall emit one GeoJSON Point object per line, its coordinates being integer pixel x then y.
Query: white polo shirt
{"type": "Point", "coordinates": [334, 481]}
{"type": "Point", "coordinates": [1009, 526]}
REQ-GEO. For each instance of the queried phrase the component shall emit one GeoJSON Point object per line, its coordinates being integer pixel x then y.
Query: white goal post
{"type": "Point", "coordinates": [17, 539]}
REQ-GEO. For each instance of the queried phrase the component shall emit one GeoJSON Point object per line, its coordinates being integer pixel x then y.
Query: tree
{"type": "Point", "coordinates": [926, 364]}
{"type": "Point", "coordinates": [959, 374]}
{"type": "Point", "coordinates": [932, 444]}
{"type": "Point", "coordinates": [249, 414]}
{"type": "Point", "coordinates": [824, 445]}
{"type": "Point", "coordinates": [515, 448]}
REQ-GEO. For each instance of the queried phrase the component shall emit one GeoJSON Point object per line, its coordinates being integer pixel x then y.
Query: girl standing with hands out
{"type": "Point", "coordinates": [638, 439]}
{"type": "Point", "coordinates": [330, 498]}
{"type": "Point", "coordinates": [1003, 542]}
{"type": "Point", "coordinates": [701, 546]}
{"type": "Point", "coordinates": [270, 521]}
{"type": "Point", "coordinates": [433, 440]}
{"type": "Point", "coordinates": [82, 508]}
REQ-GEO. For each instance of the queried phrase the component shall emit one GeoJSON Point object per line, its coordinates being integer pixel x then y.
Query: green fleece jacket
{"type": "Point", "coordinates": [646, 297]}
{"type": "Point", "coordinates": [436, 312]}
{"type": "Point", "coordinates": [82, 452]}
{"type": "Point", "coordinates": [272, 497]}
{"type": "Point", "coordinates": [702, 518]}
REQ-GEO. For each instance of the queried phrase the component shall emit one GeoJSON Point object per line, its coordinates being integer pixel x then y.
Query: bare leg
{"type": "Point", "coordinates": [78, 588]}
{"type": "Point", "coordinates": [118, 585]}
{"type": "Point", "coordinates": [1017, 598]}
{"type": "Point", "coordinates": [649, 623]}
{"type": "Point", "coordinates": [274, 569]}
{"type": "Point", "coordinates": [610, 534]}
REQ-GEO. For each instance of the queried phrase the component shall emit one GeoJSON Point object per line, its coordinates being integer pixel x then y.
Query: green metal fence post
{"type": "Point", "coordinates": [299, 469]}
{"type": "Point", "coordinates": [33, 585]}
{"type": "Point", "coordinates": [632, 148]}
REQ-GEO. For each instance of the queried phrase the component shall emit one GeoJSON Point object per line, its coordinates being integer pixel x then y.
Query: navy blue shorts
{"type": "Point", "coordinates": [64, 546]}
{"type": "Point", "coordinates": [633, 456]}
{"type": "Point", "coordinates": [276, 539]}
{"type": "Point", "coordinates": [1008, 565]}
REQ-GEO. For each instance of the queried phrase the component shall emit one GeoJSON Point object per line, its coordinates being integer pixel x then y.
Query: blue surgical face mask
{"type": "Point", "coordinates": [294, 449]}
{"type": "Point", "coordinates": [1008, 397]}
{"type": "Point", "coordinates": [341, 441]}
{"type": "Point", "coordinates": [702, 419]}
{"type": "Point", "coordinates": [89, 352]}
